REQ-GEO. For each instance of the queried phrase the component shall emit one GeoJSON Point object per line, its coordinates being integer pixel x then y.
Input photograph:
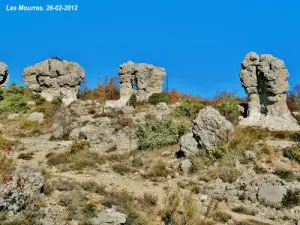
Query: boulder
{"type": "Point", "coordinates": [271, 195]}
{"type": "Point", "coordinates": [265, 79]}
{"type": "Point", "coordinates": [162, 109]}
{"type": "Point", "coordinates": [19, 189]}
{"type": "Point", "coordinates": [55, 78]}
{"type": "Point", "coordinates": [211, 129]}
{"type": "Point", "coordinates": [13, 116]}
{"type": "Point", "coordinates": [109, 217]}
{"type": "Point", "coordinates": [4, 75]}
{"type": "Point", "coordinates": [36, 117]}
{"type": "Point", "coordinates": [188, 145]}
{"type": "Point", "coordinates": [186, 166]}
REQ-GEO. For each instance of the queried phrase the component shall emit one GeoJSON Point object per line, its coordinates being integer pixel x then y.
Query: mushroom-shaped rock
{"type": "Point", "coordinates": [55, 78]}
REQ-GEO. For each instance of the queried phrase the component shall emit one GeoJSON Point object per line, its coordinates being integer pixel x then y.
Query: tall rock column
{"type": "Point", "coordinates": [4, 75]}
{"type": "Point", "coordinates": [265, 80]}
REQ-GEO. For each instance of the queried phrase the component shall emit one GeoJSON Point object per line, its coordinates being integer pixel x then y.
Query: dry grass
{"type": "Point", "coordinates": [181, 209]}
{"type": "Point", "coordinates": [7, 165]}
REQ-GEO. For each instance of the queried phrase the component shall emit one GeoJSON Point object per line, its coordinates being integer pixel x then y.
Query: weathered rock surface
{"type": "Point", "coordinates": [139, 78]}
{"type": "Point", "coordinates": [54, 78]}
{"type": "Point", "coordinates": [36, 117]}
{"type": "Point", "coordinates": [189, 145]}
{"type": "Point", "coordinates": [265, 79]}
{"type": "Point", "coordinates": [109, 217]}
{"type": "Point", "coordinates": [162, 110]}
{"type": "Point", "coordinates": [209, 130]}
{"type": "Point", "coordinates": [20, 189]}
{"type": "Point", "coordinates": [259, 195]}
{"type": "Point", "coordinates": [4, 75]}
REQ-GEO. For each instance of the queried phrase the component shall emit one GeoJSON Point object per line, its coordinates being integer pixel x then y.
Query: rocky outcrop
{"type": "Point", "coordinates": [4, 75]}
{"type": "Point", "coordinates": [210, 129]}
{"type": "Point", "coordinates": [55, 78]}
{"type": "Point", "coordinates": [139, 78]}
{"type": "Point", "coordinates": [265, 79]}
{"type": "Point", "coordinates": [20, 189]}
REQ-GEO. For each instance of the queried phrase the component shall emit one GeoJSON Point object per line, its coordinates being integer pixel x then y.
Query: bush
{"type": "Point", "coordinates": [154, 134]}
{"type": "Point", "coordinates": [14, 100]}
{"type": "Point", "coordinates": [189, 108]}
{"type": "Point", "coordinates": [79, 146]}
{"type": "Point", "coordinates": [156, 98]}
{"type": "Point", "coordinates": [291, 198]}
{"type": "Point", "coordinates": [174, 96]}
{"type": "Point", "coordinates": [285, 174]}
{"type": "Point", "coordinates": [132, 100]}
{"type": "Point", "coordinates": [228, 107]}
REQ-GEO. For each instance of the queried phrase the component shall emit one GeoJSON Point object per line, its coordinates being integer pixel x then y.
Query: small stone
{"type": "Point", "coordinates": [36, 117]}
{"type": "Point", "coordinates": [186, 166]}
{"type": "Point", "coordinates": [13, 116]}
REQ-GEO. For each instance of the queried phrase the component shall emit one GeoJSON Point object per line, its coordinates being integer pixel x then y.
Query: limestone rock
{"type": "Point", "coordinates": [109, 217]}
{"type": "Point", "coordinates": [271, 195]}
{"type": "Point", "coordinates": [188, 145]}
{"type": "Point", "coordinates": [4, 75]}
{"type": "Point", "coordinates": [54, 78]}
{"type": "Point", "coordinates": [139, 78]}
{"type": "Point", "coordinates": [36, 117]}
{"type": "Point", "coordinates": [13, 116]}
{"type": "Point", "coordinates": [265, 79]}
{"type": "Point", "coordinates": [210, 129]}
{"type": "Point", "coordinates": [20, 189]}
{"type": "Point", "coordinates": [162, 110]}
{"type": "Point", "coordinates": [185, 166]}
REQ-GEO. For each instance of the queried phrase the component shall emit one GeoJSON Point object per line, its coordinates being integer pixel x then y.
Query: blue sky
{"type": "Point", "coordinates": [200, 43]}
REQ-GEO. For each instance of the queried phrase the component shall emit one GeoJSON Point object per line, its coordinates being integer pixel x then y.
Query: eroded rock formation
{"type": "Point", "coordinates": [265, 80]}
{"type": "Point", "coordinates": [4, 75]}
{"type": "Point", "coordinates": [54, 78]}
{"type": "Point", "coordinates": [139, 78]}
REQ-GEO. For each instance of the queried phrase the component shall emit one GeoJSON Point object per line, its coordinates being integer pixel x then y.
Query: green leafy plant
{"type": "Point", "coordinates": [228, 107]}
{"type": "Point", "coordinates": [14, 100]}
{"type": "Point", "coordinates": [132, 100]}
{"type": "Point", "coordinates": [188, 108]}
{"type": "Point", "coordinates": [154, 134]}
{"type": "Point", "coordinates": [156, 98]}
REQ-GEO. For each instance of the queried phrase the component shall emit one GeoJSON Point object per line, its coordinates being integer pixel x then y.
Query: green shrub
{"type": "Point", "coordinates": [292, 153]}
{"type": "Point", "coordinates": [154, 134]}
{"type": "Point", "coordinates": [188, 108]}
{"type": "Point", "coordinates": [39, 100]}
{"type": "Point", "coordinates": [285, 174]}
{"type": "Point", "coordinates": [228, 107]}
{"type": "Point", "coordinates": [297, 137]}
{"type": "Point", "coordinates": [291, 198]}
{"type": "Point", "coordinates": [79, 146]}
{"type": "Point", "coordinates": [158, 97]}
{"type": "Point", "coordinates": [132, 100]}
{"type": "Point", "coordinates": [14, 100]}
